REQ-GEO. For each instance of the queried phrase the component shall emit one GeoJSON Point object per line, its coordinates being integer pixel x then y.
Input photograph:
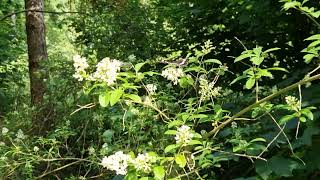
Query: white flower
{"type": "Point", "coordinates": [184, 135]}
{"type": "Point", "coordinates": [5, 130]}
{"type": "Point", "coordinates": [151, 88]}
{"type": "Point", "coordinates": [20, 135]}
{"type": "Point", "coordinates": [173, 74]}
{"type": "Point", "coordinates": [107, 71]}
{"type": "Point", "coordinates": [91, 150]}
{"type": "Point", "coordinates": [207, 90]}
{"type": "Point", "coordinates": [2, 143]}
{"type": "Point", "coordinates": [80, 64]}
{"type": "Point", "coordinates": [117, 162]}
{"type": "Point", "coordinates": [36, 149]}
{"type": "Point", "coordinates": [143, 162]}
{"type": "Point", "coordinates": [293, 102]}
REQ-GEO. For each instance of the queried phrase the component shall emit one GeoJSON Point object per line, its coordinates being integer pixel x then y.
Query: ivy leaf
{"type": "Point", "coordinates": [115, 96]}
{"type": "Point", "coordinates": [250, 83]}
{"type": "Point", "coordinates": [181, 160]}
{"type": "Point", "coordinates": [159, 172]}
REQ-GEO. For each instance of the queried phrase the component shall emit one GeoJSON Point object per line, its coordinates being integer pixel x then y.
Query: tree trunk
{"type": "Point", "coordinates": [37, 53]}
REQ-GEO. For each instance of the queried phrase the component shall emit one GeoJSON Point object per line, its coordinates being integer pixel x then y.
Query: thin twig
{"type": "Point", "coordinates": [268, 98]}
{"type": "Point", "coordinates": [275, 138]}
{"type": "Point", "coordinates": [87, 106]}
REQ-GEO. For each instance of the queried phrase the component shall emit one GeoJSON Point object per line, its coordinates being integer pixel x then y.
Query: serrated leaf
{"type": "Point", "coordinates": [250, 83]}
{"type": "Point", "coordinates": [170, 148]}
{"type": "Point", "coordinates": [181, 160]}
{"type": "Point", "coordinates": [159, 172]}
{"type": "Point", "coordinates": [171, 132]}
{"type": "Point", "coordinates": [115, 96]}
{"type": "Point", "coordinates": [285, 119]}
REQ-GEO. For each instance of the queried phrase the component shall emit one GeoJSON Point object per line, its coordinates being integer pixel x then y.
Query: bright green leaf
{"type": "Point", "coordinates": [159, 172]}
{"type": "Point", "coordinates": [181, 160]}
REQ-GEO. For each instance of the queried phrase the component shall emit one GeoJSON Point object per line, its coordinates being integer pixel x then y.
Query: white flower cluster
{"type": "Point", "coordinates": [117, 162]}
{"type": "Point", "coordinates": [20, 135]}
{"type": "Point", "coordinates": [143, 162]}
{"type": "Point", "coordinates": [151, 88]}
{"type": "Point", "coordinates": [293, 102]}
{"type": "Point", "coordinates": [107, 71]}
{"type": "Point", "coordinates": [207, 90]}
{"type": "Point", "coordinates": [173, 74]}
{"type": "Point", "coordinates": [184, 135]}
{"type": "Point", "coordinates": [80, 64]}
{"type": "Point", "coordinates": [5, 130]}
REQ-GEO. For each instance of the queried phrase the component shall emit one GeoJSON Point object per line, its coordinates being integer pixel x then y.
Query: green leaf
{"type": "Point", "coordinates": [194, 142]}
{"type": "Point", "coordinates": [175, 123]}
{"type": "Point", "coordinates": [115, 96]}
{"type": "Point", "coordinates": [134, 97]}
{"type": "Point", "coordinates": [264, 72]}
{"type": "Point", "coordinates": [250, 83]}
{"type": "Point", "coordinates": [215, 61]}
{"type": "Point", "coordinates": [104, 99]}
{"type": "Point", "coordinates": [107, 136]}
{"type": "Point", "coordinates": [263, 169]}
{"type": "Point", "coordinates": [159, 172]}
{"type": "Point", "coordinates": [132, 175]}
{"type": "Point", "coordinates": [170, 148]}
{"type": "Point", "coordinates": [258, 140]}
{"type": "Point", "coordinates": [239, 78]}
{"type": "Point", "coordinates": [308, 57]}
{"type": "Point", "coordinates": [181, 160]}
{"type": "Point", "coordinates": [171, 132]}
{"type": "Point", "coordinates": [278, 69]}
{"type": "Point", "coordinates": [243, 56]}
{"type": "Point", "coordinates": [290, 5]}
{"type": "Point", "coordinates": [286, 118]}
{"type": "Point", "coordinates": [302, 119]}
{"type": "Point", "coordinates": [314, 37]}
{"type": "Point", "coordinates": [257, 60]}
{"type": "Point", "coordinates": [272, 49]}
{"type": "Point", "coordinates": [307, 113]}
{"type": "Point", "coordinates": [313, 44]}
{"type": "Point", "coordinates": [138, 66]}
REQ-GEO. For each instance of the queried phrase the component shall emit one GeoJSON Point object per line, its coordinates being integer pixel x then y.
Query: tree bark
{"type": "Point", "coordinates": [37, 53]}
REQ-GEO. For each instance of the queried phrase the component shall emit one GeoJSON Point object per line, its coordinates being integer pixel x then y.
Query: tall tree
{"type": "Point", "coordinates": [37, 53]}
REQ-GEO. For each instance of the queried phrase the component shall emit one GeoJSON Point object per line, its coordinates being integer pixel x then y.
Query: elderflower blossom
{"type": "Point", "coordinates": [143, 162]}
{"type": "Point", "coordinates": [172, 74]}
{"type": "Point", "coordinates": [117, 162]}
{"type": "Point", "coordinates": [107, 71]}
{"type": "Point", "coordinates": [207, 89]}
{"type": "Point", "coordinates": [20, 135]}
{"type": "Point", "coordinates": [35, 148]}
{"type": "Point", "coordinates": [151, 88]}
{"type": "Point", "coordinates": [80, 64]}
{"type": "Point", "coordinates": [184, 135]}
{"type": "Point", "coordinates": [293, 102]}
{"type": "Point", "coordinates": [5, 130]}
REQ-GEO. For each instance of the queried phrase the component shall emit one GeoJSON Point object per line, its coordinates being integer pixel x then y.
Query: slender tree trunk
{"type": "Point", "coordinates": [37, 53]}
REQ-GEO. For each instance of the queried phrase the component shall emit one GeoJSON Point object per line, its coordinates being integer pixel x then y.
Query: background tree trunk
{"type": "Point", "coordinates": [37, 53]}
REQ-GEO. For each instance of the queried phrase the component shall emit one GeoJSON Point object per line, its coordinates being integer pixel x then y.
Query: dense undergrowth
{"type": "Point", "coordinates": [170, 111]}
